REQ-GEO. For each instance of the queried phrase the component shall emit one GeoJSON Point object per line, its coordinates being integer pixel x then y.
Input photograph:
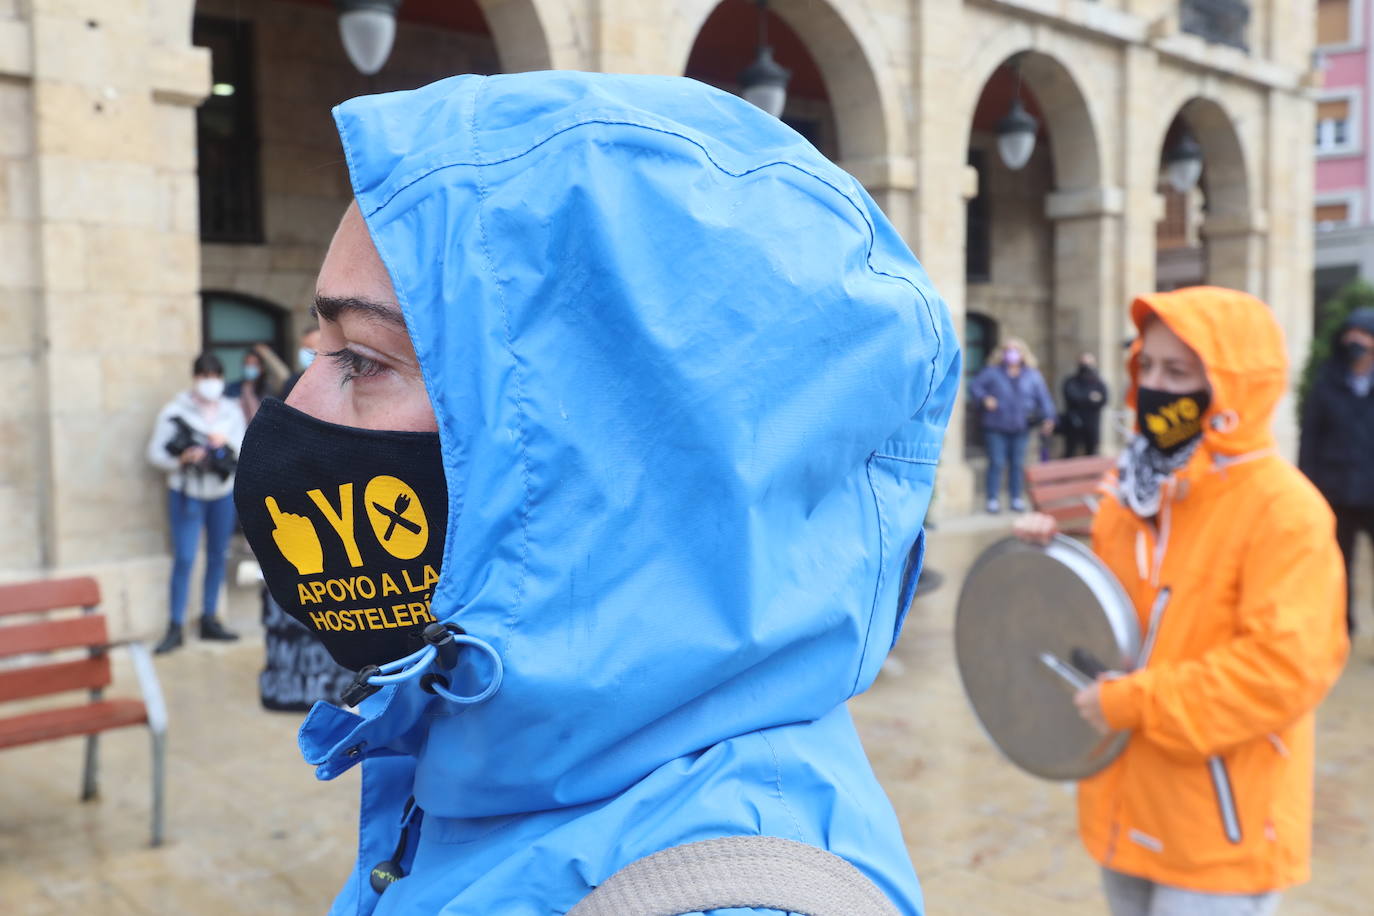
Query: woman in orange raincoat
{"type": "Point", "coordinates": [1229, 557]}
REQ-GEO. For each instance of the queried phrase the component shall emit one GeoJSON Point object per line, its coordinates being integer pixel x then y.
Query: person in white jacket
{"type": "Point", "coordinates": [196, 440]}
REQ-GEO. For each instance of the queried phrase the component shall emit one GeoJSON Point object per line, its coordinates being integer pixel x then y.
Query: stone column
{"type": "Point", "coordinates": [23, 478]}
{"type": "Point", "coordinates": [943, 186]}
{"type": "Point", "coordinates": [1089, 311]}
{"type": "Point", "coordinates": [115, 243]}
{"type": "Point", "coordinates": [891, 182]}
{"type": "Point", "coordinates": [1235, 251]}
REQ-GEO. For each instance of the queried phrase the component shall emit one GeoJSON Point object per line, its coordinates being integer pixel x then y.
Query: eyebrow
{"type": "Point", "coordinates": [331, 307]}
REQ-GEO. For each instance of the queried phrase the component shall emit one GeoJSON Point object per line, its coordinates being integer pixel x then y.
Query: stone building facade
{"type": "Point", "coordinates": [107, 285]}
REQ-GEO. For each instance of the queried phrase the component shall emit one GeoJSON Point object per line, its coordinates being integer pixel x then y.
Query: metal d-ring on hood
{"type": "Point", "coordinates": [691, 388]}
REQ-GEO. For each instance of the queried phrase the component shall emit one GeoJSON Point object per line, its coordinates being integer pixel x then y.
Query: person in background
{"type": "Point", "coordinates": [310, 345]}
{"type": "Point", "coordinates": [196, 440]}
{"type": "Point", "coordinates": [1336, 449]}
{"type": "Point", "coordinates": [1085, 394]}
{"type": "Point", "coordinates": [263, 373]}
{"type": "Point", "coordinates": [1228, 556]}
{"type": "Point", "coordinates": [1014, 400]}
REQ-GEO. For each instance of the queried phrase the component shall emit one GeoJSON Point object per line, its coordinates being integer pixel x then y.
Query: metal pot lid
{"type": "Point", "coordinates": [1031, 623]}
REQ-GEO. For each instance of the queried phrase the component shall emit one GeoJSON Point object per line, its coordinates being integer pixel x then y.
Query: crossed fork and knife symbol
{"type": "Point", "coordinates": [396, 514]}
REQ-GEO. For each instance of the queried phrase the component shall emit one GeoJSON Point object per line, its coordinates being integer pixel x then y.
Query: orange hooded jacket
{"type": "Point", "coordinates": [1240, 591]}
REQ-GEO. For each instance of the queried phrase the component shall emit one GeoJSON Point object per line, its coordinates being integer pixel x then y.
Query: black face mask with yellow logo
{"type": "Point", "coordinates": [1170, 421]}
{"type": "Point", "coordinates": [348, 526]}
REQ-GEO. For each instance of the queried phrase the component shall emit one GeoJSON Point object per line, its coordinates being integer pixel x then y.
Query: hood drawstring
{"type": "Point", "coordinates": [389, 871]}
{"type": "Point", "coordinates": [443, 641]}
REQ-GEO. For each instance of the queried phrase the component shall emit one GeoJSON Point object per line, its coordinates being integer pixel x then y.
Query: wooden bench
{"type": "Point", "coordinates": [1068, 489]}
{"type": "Point", "coordinates": [27, 674]}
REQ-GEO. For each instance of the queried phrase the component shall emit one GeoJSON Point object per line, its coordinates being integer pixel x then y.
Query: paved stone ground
{"type": "Point", "coordinates": [252, 832]}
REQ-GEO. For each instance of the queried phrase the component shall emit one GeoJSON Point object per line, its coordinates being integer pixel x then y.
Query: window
{"type": "Point", "coordinates": [227, 136]}
{"type": "Point", "coordinates": [1333, 22]}
{"type": "Point", "coordinates": [1328, 216]}
{"type": "Point", "coordinates": [1333, 125]}
{"type": "Point", "coordinates": [232, 323]}
{"type": "Point", "coordinates": [1172, 230]}
{"type": "Point", "coordinates": [978, 227]}
{"type": "Point", "coordinates": [1218, 21]}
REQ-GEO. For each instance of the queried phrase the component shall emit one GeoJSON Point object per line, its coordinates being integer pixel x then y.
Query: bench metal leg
{"type": "Point", "coordinates": [90, 772]}
{"type": "Point", "coordinates": [159, 774]}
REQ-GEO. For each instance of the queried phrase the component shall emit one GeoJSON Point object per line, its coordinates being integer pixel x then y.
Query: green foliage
{"type": "Point", "coordinates": [1334, 312]}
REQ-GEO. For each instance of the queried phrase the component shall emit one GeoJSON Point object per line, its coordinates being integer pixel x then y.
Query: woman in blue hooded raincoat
{"type": "Point", "coordinates": [631, 401]}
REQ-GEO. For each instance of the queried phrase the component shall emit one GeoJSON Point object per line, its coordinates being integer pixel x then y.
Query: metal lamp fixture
{"type": "Point", "coordinates": [368, 28]}
{"type": "Point", "coordinates": [1183, 163]}
{"type": "Point", "coordinates": [1016, 132]}
{"type": "Point", "coordinates": [764, 82]}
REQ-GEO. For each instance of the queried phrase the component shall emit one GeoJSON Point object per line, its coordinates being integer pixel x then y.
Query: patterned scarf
{"type": "Point", "coordinates": [1142, 470]}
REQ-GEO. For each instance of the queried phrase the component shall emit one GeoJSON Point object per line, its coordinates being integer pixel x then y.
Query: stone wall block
{"type": "Point", "coordinates": [18, 542]}
{"type": "Point", "coordinates": [64, 257]}
{"type": "Point", "coordinates": [16, 116]}
{"type": "Point", "coordinates": [72, 388]}
{"type": "Point", "coordinates": [18, 263]}
{"type": "Point", "coordinates": [174, 132]}
{"type": "Point", "coordinates": [306, 258]}
{"type": "Point", "coordinates": [79, 120]}
{"type": "Point", "coordinates": [113, 192]}
{"type": "Point", "coordinates": [18, 319]}
{"type": "Point", "coordinates": [182, 191]}
{"type": "Point", "coordinates": [21, 188]}
{"type": "Point", "coordinates": [96, 51]}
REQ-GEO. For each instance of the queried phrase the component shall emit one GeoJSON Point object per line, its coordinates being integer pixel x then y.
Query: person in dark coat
{"type": "Point", "coordinates": [1337, 445]}
{"type": "Point", "coordinates": [1085, 394]}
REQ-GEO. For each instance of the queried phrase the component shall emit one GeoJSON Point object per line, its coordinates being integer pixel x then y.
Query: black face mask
{"type": "Point", "coordinates": [348, 526]}
{"type": "Point", "coordinates": [1171, 421]}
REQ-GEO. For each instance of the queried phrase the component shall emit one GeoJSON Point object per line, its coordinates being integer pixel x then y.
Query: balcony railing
{"type": "Point", "coordinates": [1222, 22]}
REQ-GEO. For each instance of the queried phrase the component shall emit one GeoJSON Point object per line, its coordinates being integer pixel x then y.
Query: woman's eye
{"type": "Point", "coordinates": [353, 365]}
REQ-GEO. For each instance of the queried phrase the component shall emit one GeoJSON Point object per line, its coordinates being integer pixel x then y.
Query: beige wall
{"type": "Point", "coordinates": [101, 265]}
{"type": "Point", "coordinates": [100, 272]}
{"type": "Point", "coordinates": [301, 74]}
{"type": "Point", "coordinates": [22, 440]}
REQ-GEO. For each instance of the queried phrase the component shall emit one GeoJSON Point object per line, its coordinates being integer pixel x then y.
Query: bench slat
{"type": "Point", "coordinates": [1093, 466]}
{"type": "Point", "coordinates": [51, 724]}
{"type": "Point", "coordinates": [48, 595]}
{"type": "Point", "coordinates": [47, 635]}
{"type": "Point", "coordinates": [41, 680]}
{"type": "Point", "coordinates": [1070, 511]}
{"type": "Point", "coordinates": [1056, 492]}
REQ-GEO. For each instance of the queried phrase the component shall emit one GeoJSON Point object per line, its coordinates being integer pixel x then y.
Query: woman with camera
{"type": "Point", "coordinates": [196, 440]}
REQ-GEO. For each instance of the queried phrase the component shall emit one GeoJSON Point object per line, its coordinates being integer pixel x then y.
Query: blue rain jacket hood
{"type": "Point", "coordinates": [691, 388]}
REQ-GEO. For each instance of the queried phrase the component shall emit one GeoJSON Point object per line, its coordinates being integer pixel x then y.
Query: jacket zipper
{"type": "Point", "coordinates": [1147, 648]}
{"type": "Point", "coordinates": [1226, 800]}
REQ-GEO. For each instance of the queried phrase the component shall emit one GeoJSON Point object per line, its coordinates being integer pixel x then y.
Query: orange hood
{"type": "Point", "coordinates": [1242, 348]}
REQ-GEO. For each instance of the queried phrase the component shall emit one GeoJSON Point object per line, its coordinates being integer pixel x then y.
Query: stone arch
{"type": "Point", "coordinates": [529, 34]}
{"type": "Point", "coordinates": [1233, 228]}
{"type": "Point", "coordinates": [532, 34]}
{"type": "Point", "coordinates": [1226, 174]}
{"type": "Point", "coordinates": [1075, 145]}
{"type": "Point", "coordinates": [1062, 294]}
{"type": "Point", "coordinates": [866, 103]}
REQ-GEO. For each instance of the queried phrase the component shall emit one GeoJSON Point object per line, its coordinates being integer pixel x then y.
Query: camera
{"type": "Point", "coordinates": [219, 461]}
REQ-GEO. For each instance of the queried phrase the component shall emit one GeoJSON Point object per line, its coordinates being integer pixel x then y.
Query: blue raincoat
{"type": "Point", "coordinates": [691, 388]}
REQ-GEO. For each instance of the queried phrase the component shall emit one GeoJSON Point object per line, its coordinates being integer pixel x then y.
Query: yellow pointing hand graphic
{"type": "Point", "coordinates": [296, 539]}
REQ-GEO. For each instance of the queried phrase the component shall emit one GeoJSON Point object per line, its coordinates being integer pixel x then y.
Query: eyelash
{"type": "Point", "coordinates": [354, 365]}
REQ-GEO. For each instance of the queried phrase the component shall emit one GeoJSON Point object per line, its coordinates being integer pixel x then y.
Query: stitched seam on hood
{"type": "Point", "coordinates": [518, 400]}
{"type": "Point", "coordinates": [476, 160]}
